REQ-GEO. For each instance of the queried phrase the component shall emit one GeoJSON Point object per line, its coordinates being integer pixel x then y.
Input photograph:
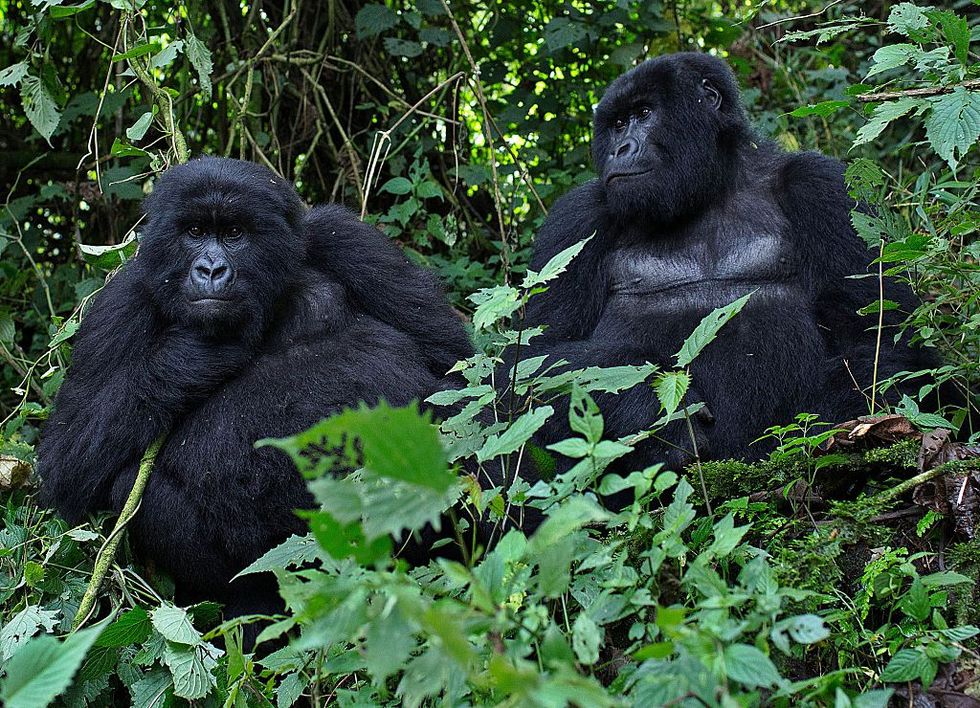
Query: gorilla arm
{"type": "Point", "coordinates": [813, 196]}
{"type": "Point", "coordinates": [384, 284]}
{"type": "Point", "coordinates": [129, 381]}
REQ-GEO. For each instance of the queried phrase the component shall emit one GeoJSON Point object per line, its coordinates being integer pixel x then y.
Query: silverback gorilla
{"type": "Point", "coordinates": [245, 315]}
{"type": "Point", "coordinates": [690, 211]}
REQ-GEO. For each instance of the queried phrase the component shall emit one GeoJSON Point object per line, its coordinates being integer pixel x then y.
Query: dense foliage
{"type": "Point", "coordinates": [815, 577]}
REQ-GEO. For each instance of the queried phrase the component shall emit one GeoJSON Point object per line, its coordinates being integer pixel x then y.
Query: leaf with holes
{"type": "Point", "coordinates": [953, 124]}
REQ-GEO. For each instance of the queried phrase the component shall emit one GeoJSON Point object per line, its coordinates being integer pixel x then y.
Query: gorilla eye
{"type": "Point", "coordinates": [233, 234]}
{"type": "Point", "coordinates": [620, 125]}
{"type": "Point", "coordinates": [644, 112]}
{"type": "Point", "coordinates": [195, 231]}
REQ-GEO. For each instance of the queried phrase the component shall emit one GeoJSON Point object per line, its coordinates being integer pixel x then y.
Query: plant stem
{"type": "Point", "coordinates": [108, 551]}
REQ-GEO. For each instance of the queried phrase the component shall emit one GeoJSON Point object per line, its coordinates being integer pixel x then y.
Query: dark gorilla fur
{"type": "Point", "coordinates": [690, 211]}
{"type": "Point", "coordinates": [244, 316]}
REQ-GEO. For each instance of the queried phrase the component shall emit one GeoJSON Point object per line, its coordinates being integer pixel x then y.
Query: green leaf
{"type": "Point", "coordinates": [554, 267]}
{"type": "Point", "coordinates": [40, 106]}
{"type": "Point", "coordinates": [586, 639]}
{"type": "Point", "coordinates": [516, 435]}
{"type": "Point", "coordinates": [807, 629]}
{"type": "Point", "coordinates": [65, 333]}
{"type": "Point", "coordinates": [493, 304]}
{"type": "Point", "coordinates": [707, 330]}
{"type": "Point", "coordinates": [960, 634]}
{"type": "Point", "coordinates": [882, 116]}
{"type": "Point", "coordinates": [346, 540]}
{"type": "Point", "coordinates": [956, 30]}
{"type": "Point", "coordinates": [892, 56]}
{"type": "Point", "coordinates": [200, 58]}
{"type": "Point", "coordinates": [8, 331]}
{"type": "Point", "coordinates": [750, 667]}
{"type": "Point", "coordinates": [671, 387]}
{"type": "Point", "coordinates": [131, 627]}
{"type": "Point", "coordinates": [167, 55]}
{"type": "Point", "coordinates": [138, 129]}
{"type": "Point", "coordinates": [192, 669]}
{"type": "Point", "coordinates": [294, 551]}
{"type": "Point", "coordinates": [395, 443]}
{"type": "Point", "coordinates": [44, 668]}
{"type": "Point", "coordinates": [138, 51]}
{"type": "Point", "coordinates": [562, 32]}
{"type": "Point", "coordinates": [953, 124]}
{"type": "Point", "coordinates": [60, 12]}
{"type": "Point", "coordinates": [154, 690]}
{"type": "Point", "coordinates": [109, 257]}
{"type": "Point", "coordinates": [397, 185]}
{"type": "Point", "coordinates": [22, 626]}
{"type": "Point", "coordinates": [372, 20]}
{"type": "Point", "coordinates": [402, 47]}
{"type": "Point", "coordinates": [906, 665]}
{"type": "Point", "coordinates": [13, 74]}
{"type": "Point", "coordinates": [908, 19]}
{"type": "Point", "coordinates": [174, 624]}
{"type": "Point", "coordinates": [824, 108]}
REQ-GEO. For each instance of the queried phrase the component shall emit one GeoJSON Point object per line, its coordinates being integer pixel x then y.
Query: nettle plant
{"type": "Point", "coordinates": [648, 606]}
{"type": "Point", "coordinates": [924, 218]}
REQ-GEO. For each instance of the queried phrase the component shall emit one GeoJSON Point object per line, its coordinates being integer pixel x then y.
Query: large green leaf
{"type": "Point", "coordinates": [40, 106]}
{"type": "Point", "coordinates": [953, 124]}
{"type": "Point", "coordinates": [44, 667]}
{"type": "Point", "coordinates": [707, 330]}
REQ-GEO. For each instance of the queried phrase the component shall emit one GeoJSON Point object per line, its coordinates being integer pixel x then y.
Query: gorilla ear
{"type": "Point", "coordinates": [711, 93]}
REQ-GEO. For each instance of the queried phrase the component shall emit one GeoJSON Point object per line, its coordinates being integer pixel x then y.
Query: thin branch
{"type": "Point", "coordinates": [107, 553]}
{"type": "Point", "coordinates": [971, 85]}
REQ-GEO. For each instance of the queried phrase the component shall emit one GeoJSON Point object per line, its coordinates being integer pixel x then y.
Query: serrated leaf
{"type": "Point", "coordinates": [807, 629]}
{"type": "Point", "coordinates": [892, 56]}
{"type": "Point", "coordinates": [7, 329]}
{"type": "Point", "coordinates": [175, 625]}
{"type": "Point", "coordinates": [167, 55]}
{"type": "Point", "coordinates": [200, 58]}
{"type": "Point", "coordinates": [516, 435]}
{"type": "Point", "coordinates": [953, 124]}
{"type": "Point", "coordinates": [671, 388]}
{"type": "Point", "coordinates": [131, 627]}
{"type": "Point", "coordinates": [294, 551]}
{"type": "Point", "coordinates": [13, 74]}
{"type": "Point", "coordinates": [137, 51]}
{"type": "Point", "coordinates": [562, 32]}
{"type": "Point", "coordinates": [554, 267]}
{"type": "Point", "coordinates": [906, 665]}
{"type": "Point", "coordinates": [824, 108]}
{"type": "Point", "coordinates": [882, 116]}
{"type": "Point", "coordinates": [402, 47]}
{"type": "Point", "coordinates": [707, 330]}
{"type": "Point", "coordinates": [24, 625]}
{"type": "Point", "coordinates": [750, 667]}
{"type": "Point", "coordinates": [493, 304]}
{"type": "Point", "coordinates": [372, 20]}
{"type": "Point", "coordinates": [44, 668]}
{"type": "Point", "coordinates": [192, 669]}
{"type": "Point", "coordinates": [586, 639]}
{"type": "Point", "coordinates": [40, 106]}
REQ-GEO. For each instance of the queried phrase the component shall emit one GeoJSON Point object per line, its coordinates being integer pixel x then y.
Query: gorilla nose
{"type": "Point", "coordinates": [627, 149]}
{"type": "Point", "coordinates": [211, 275]}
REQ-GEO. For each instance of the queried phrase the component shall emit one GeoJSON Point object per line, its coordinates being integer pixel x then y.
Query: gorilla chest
{"type": "Point", "coordinates": [663, 276]}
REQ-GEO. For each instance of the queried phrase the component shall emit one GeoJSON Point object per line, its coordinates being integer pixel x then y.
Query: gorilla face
{"type": "Point", "coordinates": [666, 136]}
{"type": "Point", "coordinates": [221, 243]}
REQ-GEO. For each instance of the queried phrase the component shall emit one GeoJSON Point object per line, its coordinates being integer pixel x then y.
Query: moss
{"type": "Point", "coordinates": [965, 558]}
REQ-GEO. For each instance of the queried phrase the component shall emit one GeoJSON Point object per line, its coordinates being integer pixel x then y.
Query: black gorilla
{"type": "Point", "coordinates": [691, 210]}
{"type": "Point", "coordinates": [244, 316]}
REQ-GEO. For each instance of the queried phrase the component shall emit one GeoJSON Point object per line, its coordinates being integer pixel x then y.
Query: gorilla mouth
{"type": "Point", "coordinates": [208, 300]}
{"type": "Point", "coordinates": [626, 175]}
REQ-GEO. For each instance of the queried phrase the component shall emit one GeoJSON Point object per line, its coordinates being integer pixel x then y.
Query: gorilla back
{"type": "Point", "coordinates": [690, 211]}
{"type": "Point", "coordinates": [244, 315]}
